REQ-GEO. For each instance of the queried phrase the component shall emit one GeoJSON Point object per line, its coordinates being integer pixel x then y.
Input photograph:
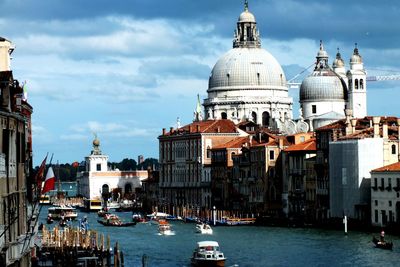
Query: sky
{"type": "Point", "coordinates": [126, 69]}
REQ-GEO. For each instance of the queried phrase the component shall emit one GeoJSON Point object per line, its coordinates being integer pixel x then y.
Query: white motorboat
{"type": "Point", "coordinates": [62, 213]}
{"type": "Point", "coordinates": [164, 228]}
{"type": "Point", "coordinates": [207, 253]}
{"type": "Point", "coordinates": [204, 228]}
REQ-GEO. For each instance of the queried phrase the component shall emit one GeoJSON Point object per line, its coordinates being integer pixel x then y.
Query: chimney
{"type": "Point", "coordinates": [190, 128]}
{"type": "Point", "coordinates": [250, 139]}
{"type": "Point", "coordinates": [398, 128]}
{"type": "Point", "coordinates": [198, 128]}
{"type": "Point", "coordinates": [375, 121]}
{"type": "Point", "coordinates": [163, 131]}
{"type": "Point", "coordinates": [349, 116]}
{"type": "Point", "coordinates": [280, 143]}
{"type": "Point", "coordinates": [259, 137]}
{"type": "Point", "coordinates": [385, 130]}
{"type": "Point", "coordinates": [218, 129]}
{"type": "Point", "coordinates": [353, 125]}
{"type": "Point", "coordinates": [171, 129]}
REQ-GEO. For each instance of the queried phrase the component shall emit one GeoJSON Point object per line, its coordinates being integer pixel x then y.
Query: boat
{"type": "Point", "coordinates": [62, 212]}
{"type": "Point", "coordinates": [62, 223]}
{"type": "Point", "coordinates": [92, 204]}
{"type": "Point", "coordinates": [204, 228]}
{"type": "Point", "coordinates": [207, 253]}
{"type": "Point", "coordinates": [102, 213]}
{"type": "Point", "coordinates": [49, 220]}
{"type": "Point", "coordinates": [114, 220]}
{"type": "Point", "coordinates": [44, 200]}
{"type": "Point", "coordinates": [382, 244]}
{"type": "Point", "coordinates": [138, 217]}
{"type": "Point", "coordinates": [164, 228]}
{"type": "Point", "coordinates": [233, 221]}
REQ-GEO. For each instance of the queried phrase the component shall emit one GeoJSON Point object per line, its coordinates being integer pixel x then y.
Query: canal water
{"type": "Point", "coordinates": [245, 246]}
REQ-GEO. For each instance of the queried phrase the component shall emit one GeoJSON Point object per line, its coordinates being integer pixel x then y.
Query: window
{"type": "Point", "coordinates": [390, 203]}
{"type": "Point", "coordinates": [361, 84]}
{"type": "Point", "coordinates": [382, 183]}
{"type": "Point", "coordinates": [376, 216]}
{"type": "Point", "coordinates": [314, 109]}
{"type": "Point", "coordinates": [376, 182]}
{"type": "Point", "coordinates": [271, 155]}
{"type": "Point", "coordinates": [393, 149]}
{"type": "Point", "coordinates": [356, 84]}
{"type": "Point", "coordinates": [376, 202]}
{"type": "Point", "coordinates": [98, 167]}
{"type": "Point", "coordinates": [224, 116]}
{"type": "Point", "coordinates": [208, 152]}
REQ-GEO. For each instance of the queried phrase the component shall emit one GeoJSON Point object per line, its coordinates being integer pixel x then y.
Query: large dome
{"type": "Point", "coordinates": [322, 85]}
{"type": "Point", "coordinates": [247, 68]}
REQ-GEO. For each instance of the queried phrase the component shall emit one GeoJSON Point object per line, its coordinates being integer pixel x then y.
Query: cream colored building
{"type": "Point", "coordinates": [385, 195]}
{"type": "Point", "coordinates": [98, 179]}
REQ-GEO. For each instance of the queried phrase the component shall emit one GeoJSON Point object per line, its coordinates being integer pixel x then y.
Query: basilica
{"type": "Point", "coordinates": [246, 153]}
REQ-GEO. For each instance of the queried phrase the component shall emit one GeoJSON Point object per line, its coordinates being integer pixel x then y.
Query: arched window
{"type": "Point", "coordinates": [265, 118]}
{"type": "Point", "coordinates": [254, 116]}
{"type": "Point", "coordinates": [356, 83]}
{"type": "Point", "coordinates": [393, 149]}
{"type": "Point", "coordinates": [224, 116]}
{"type": "Point", "coordinates": [361, 84]}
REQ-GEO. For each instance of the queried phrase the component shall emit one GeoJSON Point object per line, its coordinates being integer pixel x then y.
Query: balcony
{"type": "Point", "coordinates": [381, 188]}
{"type": "Point", "coordinates": [389, 188]}
{"type": "Point", "coordinates": [396, 188]}
{"type": "Point", "coordinates": [375, 188]}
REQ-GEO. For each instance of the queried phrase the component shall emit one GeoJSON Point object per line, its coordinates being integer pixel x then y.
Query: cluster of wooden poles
{"type": "Point", "coordinates": [72, 245]}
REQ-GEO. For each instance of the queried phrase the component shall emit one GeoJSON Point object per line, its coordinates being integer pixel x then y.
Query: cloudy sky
{"type": "Point", "coordinates": [127, 69]}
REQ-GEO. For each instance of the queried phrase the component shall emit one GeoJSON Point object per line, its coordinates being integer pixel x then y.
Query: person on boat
{"type": "Point", "coordinates": [382, 237]}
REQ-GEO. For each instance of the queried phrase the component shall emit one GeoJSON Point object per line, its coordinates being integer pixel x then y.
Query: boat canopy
{"type": "Point", "coordinates": [207, 244]}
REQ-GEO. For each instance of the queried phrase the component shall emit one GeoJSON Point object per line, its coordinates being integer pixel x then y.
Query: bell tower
{"type": "Point", "coordinates": [356, 75]}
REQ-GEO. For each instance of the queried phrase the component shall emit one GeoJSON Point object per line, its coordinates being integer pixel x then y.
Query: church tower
{"type": "Point", "coordinates": [357, 98]}
{"type": "Point", "coordinates": [96, 162]}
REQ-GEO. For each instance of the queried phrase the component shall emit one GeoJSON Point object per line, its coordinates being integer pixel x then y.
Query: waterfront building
{"type": "Point", "coordinates": [17, 196]}
{"type": "Point", "coordinates": [98, 181]}
{"type": "Point", "coordinates": [222, 190]}
{"type": "Point", "coordinates": [248, 83]}
{"type": "Point", "coordinates": [151, 191]}
{"type": "Point", "coordinates": [385, 194]}
{"type": "Point", "coordinates": [300, 180]}
{"type": "Point", "coordinates": [350, 149]}
{"type": "Point", "coordinates": [328, 91]}
{"type": "Point", "coordinates": [185, 162]}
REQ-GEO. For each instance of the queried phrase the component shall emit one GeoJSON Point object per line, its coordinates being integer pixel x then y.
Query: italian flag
{"type": "Point", "coordinates": [49, 182]}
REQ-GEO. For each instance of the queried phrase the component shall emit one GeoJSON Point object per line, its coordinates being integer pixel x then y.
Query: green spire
{"type": "Point", "coordinates": [246, 5]}
{"type": "Point", "coordinates": [197, 113]}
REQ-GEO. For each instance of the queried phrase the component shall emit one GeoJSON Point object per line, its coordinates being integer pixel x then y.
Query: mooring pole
{"type": "Point", "coordinates": [345, 224]}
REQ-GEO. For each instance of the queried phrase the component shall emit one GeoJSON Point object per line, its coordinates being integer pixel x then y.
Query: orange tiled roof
{"type": "Point", "coordinates": [309, 145]}
{"type": "Point", "coordinates": [395, 167]}
{"type": "Point", "coordinates": [209, 126]}
{"type": "Point", "coordinates": [237, 142]}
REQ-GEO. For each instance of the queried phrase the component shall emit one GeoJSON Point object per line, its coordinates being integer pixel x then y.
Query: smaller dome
{"type": "Point", "coordinates": [356, 58]}
{"type": "Point", "coordinates": [338, 62]}
{"type": "Point", "coordinates": [246, 16]}
{"type": "Point", "coordinates": [322, 86]}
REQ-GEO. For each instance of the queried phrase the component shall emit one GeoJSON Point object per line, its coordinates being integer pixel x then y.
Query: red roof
{"type": "Point", "coordinates": [209, 126]}
{"type": "Point", "coordinates": [395, 167]}
{"type": "Point", "coordinates": [309, 145]}
{"type": "Point", "coordinates": [237, 142]}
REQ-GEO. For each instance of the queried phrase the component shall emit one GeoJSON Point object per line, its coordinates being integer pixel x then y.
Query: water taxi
{"type": "Point", "coordinates": [207, 253]}
{"type": "Point", "coordinates": [114, 220]}
{"type": "Point", "coordinates": [62, 212]}
{"type": "Point", "coordinates": [204, 228]}
{"type": "Point", "coordinates": [164, 228]}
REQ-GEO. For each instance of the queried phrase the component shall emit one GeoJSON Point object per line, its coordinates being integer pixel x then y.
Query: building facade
{"type": "Point", "coordinates": [385, 196]}
{"type": "Point", "coordinates": [17, 195]}
{"type": "Point", "coordinates": [97, 180]}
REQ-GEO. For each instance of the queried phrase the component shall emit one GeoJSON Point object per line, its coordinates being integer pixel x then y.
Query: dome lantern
{"type": "Point", "coordinates": [246, 33]}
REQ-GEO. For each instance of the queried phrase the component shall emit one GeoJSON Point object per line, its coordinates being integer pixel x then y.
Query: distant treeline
{"type": "Point", "coordinates": [67, 171]}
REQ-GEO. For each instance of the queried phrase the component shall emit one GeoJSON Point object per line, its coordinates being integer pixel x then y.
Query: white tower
{"type": "Point", "coordinates": [96, 162]}
{"type": "Point", "coordinates": [357, 98]}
